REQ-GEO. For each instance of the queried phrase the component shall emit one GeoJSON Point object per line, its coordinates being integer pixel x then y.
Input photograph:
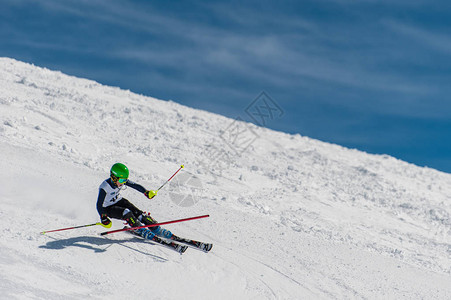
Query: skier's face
{"type": "Point", "coordinates": [121, 181]}
{"type": "Point", "coordinates": [118, 181]}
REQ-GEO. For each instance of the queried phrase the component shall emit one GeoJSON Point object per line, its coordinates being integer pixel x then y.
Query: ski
{"type": "Point", "coordinates": [148, 235]}
{"type": "Point", "coordinates": [205, 247]}
{"type": "Point", "coordinates": [173, 241]}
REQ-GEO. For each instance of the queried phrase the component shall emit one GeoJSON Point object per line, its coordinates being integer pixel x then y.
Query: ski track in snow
{"type": "Point", "coordinates": [290, 217]}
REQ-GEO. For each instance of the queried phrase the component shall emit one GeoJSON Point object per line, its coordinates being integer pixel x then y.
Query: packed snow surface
{"type": "Point", "coordinates": [290, 217]}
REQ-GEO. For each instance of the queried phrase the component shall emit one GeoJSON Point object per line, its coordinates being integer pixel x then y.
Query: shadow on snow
{"type": "Point", "coordinates": [97, 244]}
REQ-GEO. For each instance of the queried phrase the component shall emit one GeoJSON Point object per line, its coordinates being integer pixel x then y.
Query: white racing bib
{"type": "Point", "coordinates": [112, 194]}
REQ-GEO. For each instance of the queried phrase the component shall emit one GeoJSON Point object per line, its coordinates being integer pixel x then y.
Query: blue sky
{"type": "Point", "coordinates": [371, 75]}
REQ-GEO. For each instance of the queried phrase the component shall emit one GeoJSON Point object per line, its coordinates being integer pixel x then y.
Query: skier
{"type": "Point", "coordinates": [110, 204]}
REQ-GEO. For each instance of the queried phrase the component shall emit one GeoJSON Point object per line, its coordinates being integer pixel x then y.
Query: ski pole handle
{"type": "Point", "coordinates": [181, 167]}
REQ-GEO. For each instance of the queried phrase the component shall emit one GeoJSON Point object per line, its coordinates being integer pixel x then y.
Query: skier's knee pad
{"type": "Point", "coordinates": [146, 219]}
{"type": "Point", "coordinates": [130, 218]}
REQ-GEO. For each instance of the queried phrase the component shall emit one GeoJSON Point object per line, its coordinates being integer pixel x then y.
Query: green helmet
{"type": "Point", "coordinates": [119, 170]}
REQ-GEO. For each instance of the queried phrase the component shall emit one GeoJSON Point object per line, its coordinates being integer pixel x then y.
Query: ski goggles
{"type": "Point", "coordinates": [122, 180]}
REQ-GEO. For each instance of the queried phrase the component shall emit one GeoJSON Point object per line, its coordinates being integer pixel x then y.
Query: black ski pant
{"type": "Point", "coordinates": [116, 211]}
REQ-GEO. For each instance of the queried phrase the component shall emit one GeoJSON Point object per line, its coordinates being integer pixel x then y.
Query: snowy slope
{"type": "Point", "coordinates": [291, 217]}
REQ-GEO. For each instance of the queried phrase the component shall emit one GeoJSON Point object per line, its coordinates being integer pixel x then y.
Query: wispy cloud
{"type": "Point", "coordinates": [294, 52]}
{"type": "Point", "coordinates": [430, 39]}
{"type": "Point", "coordinates": [274, 56]}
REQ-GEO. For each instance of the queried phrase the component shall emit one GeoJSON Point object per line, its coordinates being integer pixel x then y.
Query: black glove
{"type": "Point", "coordinates": [105, 220]}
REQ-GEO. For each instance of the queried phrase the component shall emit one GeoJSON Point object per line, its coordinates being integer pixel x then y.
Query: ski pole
{"type": "Point", "coordinates": [181, 167]}
{"type": "Point", "coordinates": [81, 226]}
{"type": "Point", "coordinates": [153, 225]}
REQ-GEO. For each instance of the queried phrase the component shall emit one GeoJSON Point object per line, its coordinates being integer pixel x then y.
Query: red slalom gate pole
{"type": "Point", "coordinates": [153, 225]}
